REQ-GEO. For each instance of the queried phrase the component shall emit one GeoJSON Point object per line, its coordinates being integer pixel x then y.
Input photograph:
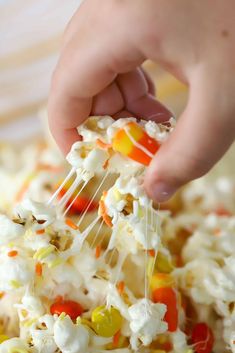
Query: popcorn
{"type": "Point", "coordinates": [146, 321]}
{"type": "Point", "coordinates": [70, 338]}
{"type": "Point", "coordinates": [93, 281]}
{"type": "Point", "coordinates": [9, 230]}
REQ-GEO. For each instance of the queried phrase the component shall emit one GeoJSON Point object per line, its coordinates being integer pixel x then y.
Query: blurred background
{"type": "Point", "coordinates": [30, 38]}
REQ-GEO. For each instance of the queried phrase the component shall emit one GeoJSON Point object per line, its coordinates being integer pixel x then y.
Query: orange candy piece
{"type": "Point", "coordinates": [151, 252]}
{"type": "Point", "coordinates": [116, 339]}
{"type": "Point", "coordinates": [80, 204]}
{"type": "Point", "coordinates": [133, 141]}
{"type": "Point", "coordinates": [38, 269]}
{"type": "Point", "coordinates": [12, 253]}
{"type": "Point", "coordinates": [69, 307]}
{"type": "Point", "coordinates": [97, 251]}
{"type": "Point", "coordinates": [121, 287]}
{"type": "Point", "coordinates": [168, 296]}
{"type": "Point", "coordinates": [40, 231]}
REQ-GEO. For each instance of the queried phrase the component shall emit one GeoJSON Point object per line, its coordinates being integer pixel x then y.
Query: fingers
{"type": "Point", "coordinates": [138, 100]}
{"type": "Point", "coordinates": [203, 134]}
{"type": "Point", "coordinates": [109, 101]}
{"type": "Point", "coordinates": [81, 89]}
{"type": "Point", "coordinates": [151, 86]}
{"type": "Point", "coordinates": [76, 81]}
{"type": "Point", "coordinates": [84, 71]}
{"type": "Point", "coordinates": [129, 93]}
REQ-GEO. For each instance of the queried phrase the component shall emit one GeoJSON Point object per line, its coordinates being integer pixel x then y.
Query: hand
{"type": "Point", "coordinates": [99, 73]}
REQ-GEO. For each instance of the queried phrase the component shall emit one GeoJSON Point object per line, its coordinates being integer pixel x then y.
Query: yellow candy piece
{"type": "Point", "coordinates": [160, 280]}
{"type": "Point", "coordinates": [106, 321]}
{"type": "Point", "coordinates": [3, 338]}
{"type": "Point", "coordinates": [133, 141]}
{"type": "Point", "coordinates": [122, 143]}
{"type": "Point", "coordinates": [158, 351]}
{"type": "Point", "coordinates": [163, 263]}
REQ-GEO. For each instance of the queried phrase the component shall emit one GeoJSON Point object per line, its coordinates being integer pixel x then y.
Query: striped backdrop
{"type": "Point", "coordinates": [30, 34]}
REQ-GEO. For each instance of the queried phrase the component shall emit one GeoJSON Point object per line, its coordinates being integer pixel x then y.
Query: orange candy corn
{"type": "Point", "coordinates": [132, 141]}
{"type": "Point", "coordinates": [80, 204]}
{"type": "Point", "coordinates": [164, 292]}
{"type": "Point", "coordinates": [168, 296]}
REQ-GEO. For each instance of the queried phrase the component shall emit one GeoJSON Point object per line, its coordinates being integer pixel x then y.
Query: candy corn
{"type": "Point", "coordinates": [80, 204]}
{"type": "Point", "coordinates": [167, 296]}
{"type": "Point", "coordinates": [132, 141]}
{"type": "Point", "coordinates": [164, 292]}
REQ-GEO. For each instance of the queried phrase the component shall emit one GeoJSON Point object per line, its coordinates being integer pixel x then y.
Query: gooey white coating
{"type": "Point", "coordinates": [114, 299]}
{"type": "Point", "coordinates": [31, 304]}
{"type": "Point", "coordinates": [93, 160]}
{"type": "Point", "coordinates": [146, 321]}
{"type": "Point", "coordinates": [179, 342]}
{"type": "Point", "coordinates": [17, 343]}
{"type": "Point", "coordinates": [70, 338]}
{"type": "Point", "coordinates": [40, 211]}
{"type": "Point", "coordinates": [43, 340]}
{"type": "Point", "coordinates": [9, 230]}
{"type": "Point", "coordinates": [15, 270]}
{"type": "Point", "coordinates": [133, 225]}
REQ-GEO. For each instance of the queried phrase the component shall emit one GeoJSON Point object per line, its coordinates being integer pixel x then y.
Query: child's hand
{"type": "Point", "coordinates": [99, 73]}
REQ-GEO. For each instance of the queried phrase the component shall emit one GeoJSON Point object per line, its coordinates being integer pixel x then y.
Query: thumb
{"type": "Point", "coordinates": [202, 135]}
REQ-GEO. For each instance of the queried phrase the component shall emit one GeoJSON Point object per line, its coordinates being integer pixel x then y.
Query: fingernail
{"type": "Point", "coordinates": [161, 192]}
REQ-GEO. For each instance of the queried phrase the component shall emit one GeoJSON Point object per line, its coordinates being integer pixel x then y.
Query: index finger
{"type": "Point", "coordinates": [86, 66]}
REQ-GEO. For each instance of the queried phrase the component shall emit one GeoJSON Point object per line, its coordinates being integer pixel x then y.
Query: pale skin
{"type": "Point", "coordinates": [99, 73]}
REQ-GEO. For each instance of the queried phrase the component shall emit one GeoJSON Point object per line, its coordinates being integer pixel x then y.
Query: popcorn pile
{"type": "Point", "coordinates": [94, 267]}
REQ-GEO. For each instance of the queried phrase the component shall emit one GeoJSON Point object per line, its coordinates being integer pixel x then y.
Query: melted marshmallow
{"type": "Point", "coordinates": [39, 210]}
{"type": "Point", "coordinates": [43, 340]}
{"type": "Point", "coordinates": [17, 343]}
{"type": "Point", "coordinates": [147, 320]}
{"type": "Point", "coordinates": [70, 338]}
{"type": "Point", "coordinates": [90, 160]}
{"type": "Point", "coordinates": [15, 272]}
{"type": "Point", "coordinates": [9, 230]}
